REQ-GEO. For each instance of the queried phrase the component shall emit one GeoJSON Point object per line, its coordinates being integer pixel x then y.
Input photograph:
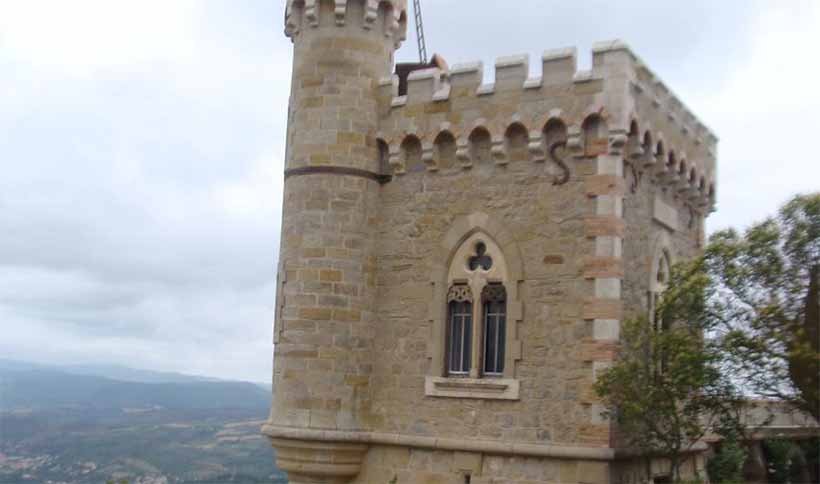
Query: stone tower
{"type": "Point", "coordinates": [325, 325]}
{"type": "Point", "coordinates": [457, 256]}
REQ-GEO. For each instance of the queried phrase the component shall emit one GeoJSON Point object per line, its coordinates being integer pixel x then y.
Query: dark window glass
{"type": "Point", "coordinates": [459, 335]}
{"type": "Point", "coordinates": [495, 329]}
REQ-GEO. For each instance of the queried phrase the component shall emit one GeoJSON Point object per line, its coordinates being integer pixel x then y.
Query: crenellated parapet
{"type": "Point", "coordinates": [389, 16]}
{"type": "Point", "coordinates": [457, 118]}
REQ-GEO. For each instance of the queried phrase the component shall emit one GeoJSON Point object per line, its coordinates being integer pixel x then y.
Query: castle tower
{"type": "Point", "coordinates": [458, 255]}
{"type": "Point", "coordinates": [324, 327]}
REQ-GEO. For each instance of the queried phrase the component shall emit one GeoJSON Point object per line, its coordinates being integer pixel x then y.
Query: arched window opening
{"type": "Point", "coordinates": [477, 331]}
{"type": "Point", "coordinates": [494, 300]}
{"type": "Point", "coordinates": [384, 157]}
{"type": "Point", "coordinates": [648, 151]}
{"type": "Point", "coordinates": [633, 129]}
{"type": "Point", "coordinates": [634, 144]}
{"type": "Point", "coordinates": [596, 140]}
{"type": "Point", "coordinates": [647, 142]}
{"type": "Point", "coordinates": [662, 276]}
{"type": "Point", "coordinates": [671, 162]}
{"type": "Point", "coordinates": [660, 281]}
{"type": "Point", "coordinates": [445, 150]}
{"type": "Point", "coordinates": [459, 329]}
{"type": "Point", "coordinates": [411, 151]}
{"type": "Point", "coordinates": [480, 146]}
{"type": "Point", "coordinates": [659, 150]}
{"type": "Point", "coordinates": [555, 131]}
{"type": "Point", "coordinates": [517, 140]}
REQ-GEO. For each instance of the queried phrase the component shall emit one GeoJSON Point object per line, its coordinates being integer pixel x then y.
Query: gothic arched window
{"type": "Point", "coordinates": [459, 329]}
{"type": "Point", "coordinates": [475, 311]}
{"type": "Point", "coordinates": [476, 332]}
{"type": "Point", "coordinates": [658, 284]}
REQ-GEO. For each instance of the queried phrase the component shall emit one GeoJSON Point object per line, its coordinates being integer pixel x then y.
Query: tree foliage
{"type": "Point", "coordinates": [666, 391]}
{"type": "Point", "coordinates": [726, 466]}
{"type": "Point", "coordinates": [765, 308]}
{"type": "Point", "coordinates": [747, 311]}
{"type": "Point", "coordinates": [786, 462]}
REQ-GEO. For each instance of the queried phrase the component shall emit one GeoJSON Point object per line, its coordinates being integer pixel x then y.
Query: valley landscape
{"type": "Point", "coordinates": [81, 425]}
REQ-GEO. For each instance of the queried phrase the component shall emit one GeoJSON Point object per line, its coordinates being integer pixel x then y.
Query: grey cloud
{"type": "Point", "coordinates": [140, 203]}
{"type": "Point", "coordinates": [118, 241]}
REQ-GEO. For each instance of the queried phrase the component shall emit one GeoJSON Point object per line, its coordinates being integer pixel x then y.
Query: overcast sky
{"type": "Point", "coordinates": [141, 148]}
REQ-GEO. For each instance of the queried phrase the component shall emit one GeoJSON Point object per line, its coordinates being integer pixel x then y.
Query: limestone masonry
{"type": "Point", "coordinates": [458, 253]}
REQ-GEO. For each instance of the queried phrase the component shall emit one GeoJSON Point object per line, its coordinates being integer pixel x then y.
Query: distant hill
{"type": "Point", "coordinates": [92, 424]}
{"type": "Point", "coordinates": [113, 372]}
{"type": "Point", "coordinates": [37, 386]}
{"type": "Point", "coordinates": [124, 373]}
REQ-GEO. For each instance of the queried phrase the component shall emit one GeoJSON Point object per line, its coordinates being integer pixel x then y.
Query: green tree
{"type": "Point", "coordinates": [787, 464]}
{"type": "Point", "coordinates": [726, 465]}
{"type": "Point", "coordinates": [747, 310]}
{"type": "Point", "coordinates": [766, 308]}
{"type": "Point", "coordinates": [667, 390]}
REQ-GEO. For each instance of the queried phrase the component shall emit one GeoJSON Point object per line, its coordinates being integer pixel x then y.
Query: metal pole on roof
{"type": "Point", "coordinates": [420, 32]}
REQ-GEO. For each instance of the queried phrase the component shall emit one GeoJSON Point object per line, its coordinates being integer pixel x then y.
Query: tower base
{"type": "Point", "coordinates": [314, 462]}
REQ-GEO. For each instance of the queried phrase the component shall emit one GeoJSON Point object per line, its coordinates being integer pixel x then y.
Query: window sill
{"type": "Point", "coordinates": [484, 388]}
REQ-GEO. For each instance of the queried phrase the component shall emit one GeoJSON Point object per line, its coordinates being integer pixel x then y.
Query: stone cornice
{"type": "Point", "coordinates": [440, 443]}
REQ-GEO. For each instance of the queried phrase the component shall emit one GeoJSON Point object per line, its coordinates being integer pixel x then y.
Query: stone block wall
{"type": "Point", "coordinates": [383, 464]}
{"type": "Point", "coordinates": [547, 228]}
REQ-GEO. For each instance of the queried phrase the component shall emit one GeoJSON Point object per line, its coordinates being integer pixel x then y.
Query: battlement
{"type": "Point", "coordinates": [642, 120]}
{"type": "Point", "coordinates": [559, 66]}
{"type": "Point", "coordinates": [390, 16]}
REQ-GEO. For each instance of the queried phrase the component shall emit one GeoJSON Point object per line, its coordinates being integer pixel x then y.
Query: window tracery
{"type": "Point", "coordinates": [480, 259]}
{"type": "Point", "coordinates": [460, 293]}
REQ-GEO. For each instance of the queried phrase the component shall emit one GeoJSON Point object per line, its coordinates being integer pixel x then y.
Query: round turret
{"type": "Point", "coordinates": [325, 324]}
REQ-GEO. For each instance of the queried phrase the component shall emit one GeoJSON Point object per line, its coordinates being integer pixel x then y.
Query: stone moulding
{"type": "Point", "coordinates": [282, 435]}
{"type": "Point", "coordinates": [480, 388]}
{"type": "Point", "coordinates": [311, 457]}
{"type": "Point", "coordinates": [337, 170]}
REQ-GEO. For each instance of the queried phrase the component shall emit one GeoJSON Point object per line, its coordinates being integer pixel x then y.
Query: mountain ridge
{"type": "Point", "coordinates": [24, 385]}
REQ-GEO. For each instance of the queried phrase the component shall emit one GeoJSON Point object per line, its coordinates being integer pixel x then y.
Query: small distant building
{"type": "Point", "coordinates": [458, 253]}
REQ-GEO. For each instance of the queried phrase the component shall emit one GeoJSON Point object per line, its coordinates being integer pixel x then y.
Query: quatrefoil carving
{"type": "Point", "coordinates": [480, 259]}
{"type": "Point", "coordinates": [460, 293]}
